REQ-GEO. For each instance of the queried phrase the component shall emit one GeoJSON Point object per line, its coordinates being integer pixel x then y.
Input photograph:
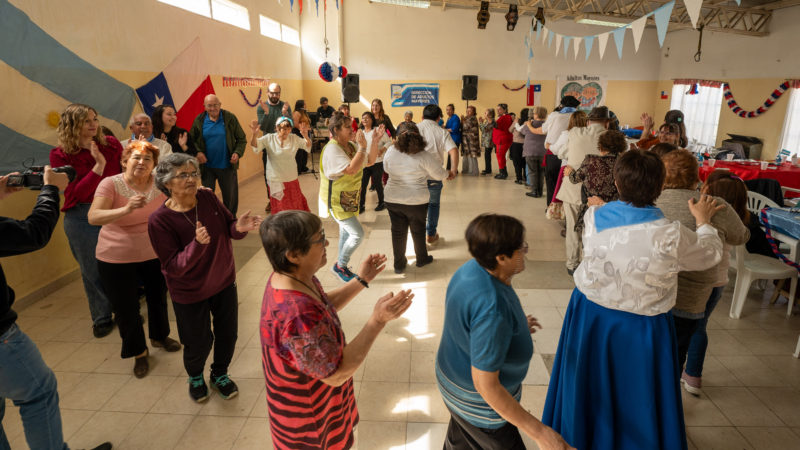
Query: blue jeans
{"type": "Point", "coordinates": [26, 379]}
{"type": "Point", "coordinates": [82, 239]}
{"type": "Point", "coordinates": [435, 190]}
{"type": "Point", "coordinates": [699, 341]}
{"type": "Point", "coordinates": [350, 236]}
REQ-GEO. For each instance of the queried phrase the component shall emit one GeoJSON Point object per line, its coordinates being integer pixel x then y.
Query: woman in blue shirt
{"type": "Point", "coordinates": [486, 344]}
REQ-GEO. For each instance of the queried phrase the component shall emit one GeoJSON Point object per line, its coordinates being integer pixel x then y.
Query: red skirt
{"type": "Point", "coordinates": [293, 198]}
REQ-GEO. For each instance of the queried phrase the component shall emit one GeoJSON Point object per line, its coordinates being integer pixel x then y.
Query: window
{"type": "Point", "coordinates": [198, 7]}
{"type": "Point", "coordinates": [700, 110]}
{"type": "Point", "coordinates": [230, 13]}
{"type": "Point", "coordinates": [790, 138]}
{"type": "Point", "coordinates": [290, 35]}
{"type": "Point", "coordinates": [270, 28]}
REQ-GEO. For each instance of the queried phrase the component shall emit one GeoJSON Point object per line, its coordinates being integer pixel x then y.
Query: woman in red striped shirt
{"type": "Point", "coordinates": [308, 365]}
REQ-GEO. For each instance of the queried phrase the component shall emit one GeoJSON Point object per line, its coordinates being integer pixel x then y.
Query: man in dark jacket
{"type": "Point", "coordinates": [24, 377]}
{"type": "Point", "coordinates": [220, 142]}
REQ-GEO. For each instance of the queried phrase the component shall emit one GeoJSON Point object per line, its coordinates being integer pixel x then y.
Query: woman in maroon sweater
{"type": "Point", "coordinates": [94, 157]}
{"type": "Point", "coordinates": [191, 234]}
{"type": "Point", "coordinates": [502, 138]}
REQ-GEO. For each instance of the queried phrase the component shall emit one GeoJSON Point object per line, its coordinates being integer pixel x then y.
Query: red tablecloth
{"type": "Point", "coordinates": [787, 175]}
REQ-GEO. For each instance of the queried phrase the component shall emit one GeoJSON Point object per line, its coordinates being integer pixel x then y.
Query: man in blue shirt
{"type": "Point", "coordinates": [220, 142]}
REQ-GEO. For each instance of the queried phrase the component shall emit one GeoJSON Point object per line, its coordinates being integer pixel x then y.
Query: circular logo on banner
{"type": "Point", "coordinates": [589, 94]}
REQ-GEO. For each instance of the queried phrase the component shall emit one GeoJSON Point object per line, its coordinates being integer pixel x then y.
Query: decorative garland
{"type": "Point", "coordinates": [244, 97]}
{"type": "Point", "coordinates": [774, 96]}
{"type": "Point", "coordinates": [513, 89]}
{"type": "Point", "coordinates": [772, 243]}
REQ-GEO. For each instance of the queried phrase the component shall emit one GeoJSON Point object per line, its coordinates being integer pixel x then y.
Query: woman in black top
{"type": "Point", "coordinates": [164, 128]}
{"type": "Point", "coordinates": [381, 118]}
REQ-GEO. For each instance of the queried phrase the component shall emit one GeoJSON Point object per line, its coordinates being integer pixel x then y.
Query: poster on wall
{"type": "Point", "coordinates": [589, 89]}
{"type": "Point", "coordinates": [415, 94]}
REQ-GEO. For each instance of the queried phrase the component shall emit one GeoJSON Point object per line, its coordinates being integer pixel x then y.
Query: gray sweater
{"type": "Point", "coordinates": [694, 288]}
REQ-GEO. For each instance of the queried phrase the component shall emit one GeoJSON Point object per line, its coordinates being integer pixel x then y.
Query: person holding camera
{"type": "Point", "coordinates": [125, 257]}
{"type": "Point", "coordinates": [94, 157]}
{"type": "Point", "coordinates": [24, 377]}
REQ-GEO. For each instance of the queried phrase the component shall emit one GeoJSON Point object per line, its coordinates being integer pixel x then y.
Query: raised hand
{"type": "Point", "coordinates": [135, 202]}
{"type": "Point", "coordinates": [246, 222]}
{"type": "Point", "coordinates": [361, 140]}
{"type": "Point", "coordinates": [201, 234]}
{"type": "Point", "coordinates": [533, 324]}
{"type": "Point", "coordinates": [97, 154]}
{"type": "Point", "coordinates": [182, 140]}
{"type": "Point", "coordinates": [372, 266]}
{"type": "Point", "coordinates": [254, 126]}
{"type": "Point", "coordinates": [390, 306]}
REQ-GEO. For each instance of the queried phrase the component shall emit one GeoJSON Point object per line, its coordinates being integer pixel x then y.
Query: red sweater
{"type": "Point", "coordinates": [501, 137]}
{"type": "Point", "coordinates": [195, 271]}
{"type": "Point", "coordinates": [81, 189]}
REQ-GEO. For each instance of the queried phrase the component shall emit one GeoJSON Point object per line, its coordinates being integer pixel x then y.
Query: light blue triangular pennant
{"type": "Point", "coordinates": [619, 39]}
{"type": "Point", "coordinates": [527, 42]}
{"type": "Point", "coordinates": [528, 84]}
{"type": "Point", "coordinates": [538, 31]}
{"type": "Point", "coordinates": [588, 40]}
{"type": "Point", "coordinates": [530, 53]}
{"type": "Point", "coordinates": [567, 40]}
{"type": "Point", "coordinates": [317, 2]}
{"type": "Point", "coordinates": [549, 38]}
{"type": "Point", "coordinates": [661, 16]}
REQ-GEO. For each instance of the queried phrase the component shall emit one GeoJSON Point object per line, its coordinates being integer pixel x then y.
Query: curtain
{"type": "Point", "coordinates": [790, 137]}
{"type": "Point", "coordinates": [701, 110]}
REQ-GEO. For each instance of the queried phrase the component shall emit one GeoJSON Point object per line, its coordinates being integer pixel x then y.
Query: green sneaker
{"type": "Point", "coordinates": [225, 386]}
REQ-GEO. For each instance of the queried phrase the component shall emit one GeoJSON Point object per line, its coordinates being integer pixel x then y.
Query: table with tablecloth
{"type": "Point", "coordinates": [786, 174]}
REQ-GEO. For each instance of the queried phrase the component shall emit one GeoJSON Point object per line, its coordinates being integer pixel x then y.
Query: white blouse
{"type": "Point", "coordinates": [281, 165]}
{"type": "Point", "coordinates": [634, 268]}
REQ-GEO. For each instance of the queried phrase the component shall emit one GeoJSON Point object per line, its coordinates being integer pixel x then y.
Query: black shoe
{"type": "Point", "coordinates": [425, 261]}
{"type": "Point", "coordinates": [303, 170]}
{"type": "Point", "coordinates": [140, 367]}
{"type": "Point", "coordinates": [486, 172]}
{"type": "Point", "coordinates": [103, 446]}
{"type": "Point", "coordinates": [198, 389]}
{"type": "Point", "coordinates": [103, 329]}
{"type": "Point", "coordinates": [225, 386]}
{"type": "Point", "coordinates": [361, 209]}
{"type": "Point", "coordinates": [532, 194]}
{"type": "Point", "coordinates": [519, 182]}
{"type": "Point", "coordinates": [168, 344]}
{"type": "Point", "coordinates": [570, 271]}
{"type": "Point", "coordinates": [381, 206]}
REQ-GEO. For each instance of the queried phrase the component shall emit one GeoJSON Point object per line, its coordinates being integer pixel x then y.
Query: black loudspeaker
{"type": "Point", "coordinates": [350, 89]}
{"type": "Point", "coordinates": [469, 88]}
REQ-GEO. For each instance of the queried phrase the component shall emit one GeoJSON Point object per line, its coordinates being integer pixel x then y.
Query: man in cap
{"type": "Point", "coordinates": [552, 127]}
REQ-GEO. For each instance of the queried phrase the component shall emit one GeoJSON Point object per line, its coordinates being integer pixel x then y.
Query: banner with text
{"type": "Point", "coordinates": [589, 89]}
{"type": "Point", "coordinates": [415, 94]}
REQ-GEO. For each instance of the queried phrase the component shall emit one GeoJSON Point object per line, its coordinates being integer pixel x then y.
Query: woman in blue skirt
{"type": "Point", "coordinates": [613, 384]}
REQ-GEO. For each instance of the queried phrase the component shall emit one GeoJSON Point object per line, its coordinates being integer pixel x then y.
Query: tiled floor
{"type": "Point", "coordinates": [751, 399]}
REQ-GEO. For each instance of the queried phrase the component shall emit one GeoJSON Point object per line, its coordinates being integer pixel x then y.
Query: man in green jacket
{"type": "Point", "coordinates": [220, 142]}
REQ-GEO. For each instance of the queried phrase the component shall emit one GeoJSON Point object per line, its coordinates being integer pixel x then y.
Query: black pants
{"type": "Point", "coordinates": [684, 329]}
{"type": "Point", "coordinates": [263, 160]}
{"type": "Point", "coordinates": [487, 158]}
{"type": "Point", "coordinates": [194, 328]}
{"type": "Point", "coordinates": [462, 435]}
{"type": "Point", "coordinates": [121, 284]}
{"type": "Point", "coordinates": [301, 158]}
{"type": "Point", "coordinates": [402, 218]}
{"type": "Point", "coordinates": [228, 184]}
{"type": "Point", "coordinates": [518, 160]}
{"type": "Point", "coordinates": [536, 171]}
{"type": "Point", "coordinates": [374, 173]}
{"type": "Point", "coordinates": [551, 169]}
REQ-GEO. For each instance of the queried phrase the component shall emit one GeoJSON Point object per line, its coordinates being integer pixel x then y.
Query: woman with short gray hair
{"type": "Point", "coordinates": [191, 234]}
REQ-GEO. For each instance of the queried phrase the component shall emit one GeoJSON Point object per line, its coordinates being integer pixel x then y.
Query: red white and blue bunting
{"type": "Point", "coordinates": [773, 97]}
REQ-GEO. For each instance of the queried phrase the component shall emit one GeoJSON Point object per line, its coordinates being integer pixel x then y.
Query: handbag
{"type": "Point", "coordinates": [555, 211]}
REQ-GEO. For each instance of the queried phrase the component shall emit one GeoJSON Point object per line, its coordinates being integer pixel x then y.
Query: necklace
{"type": "Point", "coordinates": [314, 290]}
{"type": "Point", "coordinates": [196, 208]}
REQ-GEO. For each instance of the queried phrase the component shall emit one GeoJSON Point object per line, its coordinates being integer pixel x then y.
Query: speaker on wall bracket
{"type": "Point", "coordinates": [469, 87]}
{"type": "Point", "coordinates": [350, 89]}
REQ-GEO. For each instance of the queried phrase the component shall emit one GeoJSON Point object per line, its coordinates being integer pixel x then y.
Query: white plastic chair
{"type": "Point", "coordinates": [750, 267]}
{"type": "Point", "coordinates": [755, 203]}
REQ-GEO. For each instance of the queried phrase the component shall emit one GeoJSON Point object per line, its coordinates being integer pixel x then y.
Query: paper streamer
{"type": "Point", "coordinates": [637, 26]}
{"type": "Point", "coordinates": [661, 16]}
{"type": "Point", "coordinates": [589, 41]}
{"type": "Point", "coordinates": [619, 39]}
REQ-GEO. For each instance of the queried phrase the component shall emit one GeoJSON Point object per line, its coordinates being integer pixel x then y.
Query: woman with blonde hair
{"type": "Point", "coordinates": [381, 118]}
{"type": "Point", "coordinates": [82, 145]}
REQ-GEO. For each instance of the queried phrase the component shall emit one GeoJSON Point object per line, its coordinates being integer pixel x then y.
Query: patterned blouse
{"type": "Point", "coordinates": [470, 141]}
{"type": "Point", "coordinates": [302, 343]}
{"type": "Point", "coordinates": [486, 133]}
{"type": "Point", "coordinates": [597, 175]}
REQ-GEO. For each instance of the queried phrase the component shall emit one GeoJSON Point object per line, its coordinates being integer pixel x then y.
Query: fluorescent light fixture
{"type": "Point", "coordinates": [602, 20]}
{"type": "Point", "coordinates": [412, 3]}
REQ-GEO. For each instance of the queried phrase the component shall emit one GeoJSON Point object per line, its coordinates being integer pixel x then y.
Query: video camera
{"type": "Point", "coordinates": [33, 177]}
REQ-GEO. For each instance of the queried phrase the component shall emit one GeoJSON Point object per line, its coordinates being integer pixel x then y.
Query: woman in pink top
{"type": "Point", "coordinates": [125, 257]}
{"type": "Point", "coordinates": [94, 156]}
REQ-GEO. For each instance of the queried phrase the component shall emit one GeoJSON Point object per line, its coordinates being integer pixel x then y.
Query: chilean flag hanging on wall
{"type": "Point", "coordinates": [184, 83]}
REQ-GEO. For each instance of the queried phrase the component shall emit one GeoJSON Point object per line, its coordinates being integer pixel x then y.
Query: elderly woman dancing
{"type": "Point", "coordinates": [308, 364]}
{"type": "Point", "coordinates": [281, 148]}
{"type": "Point", "coordinates": [191, 234]}
{"type": "Point", "coordinates": [125, 256]}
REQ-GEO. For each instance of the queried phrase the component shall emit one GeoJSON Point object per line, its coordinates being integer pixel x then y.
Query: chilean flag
{"type": "Point", "coordinates": [182, 84]}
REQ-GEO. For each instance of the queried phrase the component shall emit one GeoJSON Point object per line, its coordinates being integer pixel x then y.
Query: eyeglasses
{"type": "Point", "coordinates": [524, 248]}
{"type": "Point", "coordinates": [183, 176]}
{"type": "Point", "coordinates": [321, 240]}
